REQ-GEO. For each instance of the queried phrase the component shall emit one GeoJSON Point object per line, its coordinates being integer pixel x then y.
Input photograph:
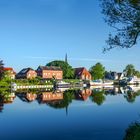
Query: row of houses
{"type": "Point", "coordinates": [46, 72]}
{"type": "Point", "coordinates": [49, 72]}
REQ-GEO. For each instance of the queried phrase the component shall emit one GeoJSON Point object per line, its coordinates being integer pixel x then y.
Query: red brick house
{"type": "Point", "coordinates": [26, 73]}
{"type": "Point", "coordinates": [49, 72]}
{"type": "Point", "coordinates": [9, 72]}
{"type": "Point", "coordinates": [49, 96]}
{"type": "Point", "coordinates": [82, 73]}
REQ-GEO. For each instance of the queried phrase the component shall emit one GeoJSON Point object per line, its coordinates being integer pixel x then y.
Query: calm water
{"type": "Point", "coordinates": [85, 114]}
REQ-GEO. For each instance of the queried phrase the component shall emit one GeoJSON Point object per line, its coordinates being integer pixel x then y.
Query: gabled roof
{"type": "Point", "coordinates": [49, 68]}
{"type": "Point", "coordinates": [78, 71]}
{"type": "Point", "coordinates": [25, 70]}
{"type": "Point", "coordinates": [9, 69]}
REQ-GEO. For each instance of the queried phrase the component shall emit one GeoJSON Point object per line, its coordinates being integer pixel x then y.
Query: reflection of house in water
{"type": "Point", "coordinates": [45, 97]}
{"type": "Point", "coordinates": [7, 99]}
{"type": "Point", "coordinates": [27, 97]}
{"type": "Point", "coordinates": [83, 94]}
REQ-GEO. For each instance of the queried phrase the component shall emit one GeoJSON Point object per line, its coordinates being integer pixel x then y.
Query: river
{"type": "Point", "coordinates": [71, 114]}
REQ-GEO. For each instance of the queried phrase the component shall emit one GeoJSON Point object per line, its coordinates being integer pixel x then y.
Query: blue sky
{"type": "Point", "coordinates": [34, 32]}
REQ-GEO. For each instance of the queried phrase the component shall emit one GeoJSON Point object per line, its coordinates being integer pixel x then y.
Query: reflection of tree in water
{"type": "Point", "coordinates": [131, 96]}
{"type": "Point", "coordinates": [1, 103]}
{"type": "Point", "coordinates": [133, 132]}
{"type": "Point", "coordinates": [98, 97]}
{"type": "Point", "coordinates": [68, 96]}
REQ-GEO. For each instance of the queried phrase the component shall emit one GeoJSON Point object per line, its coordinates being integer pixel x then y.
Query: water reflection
{"type": "Point", "coordinates": [6, 97]}
{"type": "Point", "coordinates": [62, 98]}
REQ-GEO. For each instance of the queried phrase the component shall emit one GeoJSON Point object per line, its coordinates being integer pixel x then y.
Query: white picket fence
{"type": "Point", "coordinates": [16, 87]}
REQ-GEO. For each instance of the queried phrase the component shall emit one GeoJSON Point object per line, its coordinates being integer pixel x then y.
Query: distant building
{"type": "Point", "coordinates": [9, 72]}
{"type": "Point", "coordinates": [26, 73]}
{"type": "Point", "coordinates": [114, 76]}
{"type": "Point", "coordinates": [50, 72]}
{"type": "Point", "coordinates": [82, 73]}
{"type": "Point", "coordinates": [121, 75]}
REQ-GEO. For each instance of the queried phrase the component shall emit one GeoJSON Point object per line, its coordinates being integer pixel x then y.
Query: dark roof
{"type": "Point", "coordinates": [78, 71]}
{"type": "Point", "coordinates": [119, 74]}
{"type": "Point", "coordinates": [25, 70]}
{"type": "Point", "coordinates": [49, 68]}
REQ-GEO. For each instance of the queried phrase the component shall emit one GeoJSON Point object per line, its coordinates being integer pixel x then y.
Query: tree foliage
{"type": "Point", "coordinates": [97, 71]}
{"type": "Point", "coordinates": [98, 97]}
{"type": "Point", "coordinates": [124, 16]}
{"type": "Point", "coordinates": [133, 132]}
{"type": "Point", "coordinates": [137, 73]}
{"type": "Point", "coordinates": [131, 71]}
{"type": "Point", "coordinates": [68, 71]}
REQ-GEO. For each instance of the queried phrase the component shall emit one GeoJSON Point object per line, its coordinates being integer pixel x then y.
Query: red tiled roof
{"type": "Point", "coordinates": [7, 68]}
{"type": "Point", "coordinates": [79, 71]}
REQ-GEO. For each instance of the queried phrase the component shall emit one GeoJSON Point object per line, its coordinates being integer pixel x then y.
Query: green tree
{"type": "Point", "coordinates": [129, 70]}
{"type": "Point", "coordinates": [98, 97]}
{"type": "Point", "coordinates": [68, 72]}
{"type": "Point", "coordinates": [137, 73]}
{"type": "Point", "coordinates": [97, 71]}
{"type": "Point", "coordinates": [124, 17]}
{"type": "Point", "coordinates": [133, 132]}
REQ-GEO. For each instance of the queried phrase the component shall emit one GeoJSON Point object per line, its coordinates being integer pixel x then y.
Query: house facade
{"type": "Point", "coordinates": [26, 73]}
{"type": "Point", "coordinates": [50, 72]}
{"type": "Point", "coordinates": [49, 96]}
{"type": "Point", "coordinates": [114, 76]}
{"type": "Point", "coordinates": [82, 73]}
{"type": "Point", "coordinates": [9, 72]}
